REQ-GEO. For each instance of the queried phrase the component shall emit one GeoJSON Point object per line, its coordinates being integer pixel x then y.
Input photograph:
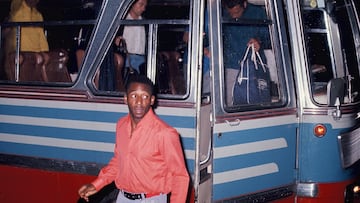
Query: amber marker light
{"type": "Point", "coordinates": [356, 189]}
{"type": "Point", "coordinates": [319, 130]}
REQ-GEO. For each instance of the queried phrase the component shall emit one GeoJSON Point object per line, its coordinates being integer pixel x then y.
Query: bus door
{"type": "Point", "coordinates": [200, 65]}
{"type": "Point", "coordinates": [254, 136]}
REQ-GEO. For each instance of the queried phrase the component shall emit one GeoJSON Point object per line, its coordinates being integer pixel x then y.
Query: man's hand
{"type": "Point", "coordinates": [256, 43]}
{"type": "Point", "coordinates": [87, 190]}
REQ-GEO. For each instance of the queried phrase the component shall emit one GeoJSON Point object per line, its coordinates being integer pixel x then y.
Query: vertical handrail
{"type": "Point", "coordinates": [17, 56]}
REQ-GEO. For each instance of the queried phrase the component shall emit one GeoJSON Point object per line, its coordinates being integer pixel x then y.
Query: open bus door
{"type": "Point", "coordinates": [254, 143]}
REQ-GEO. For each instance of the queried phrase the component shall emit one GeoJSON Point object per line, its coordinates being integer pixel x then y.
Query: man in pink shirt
{"type": "Point", "coordinates": [148, 163]}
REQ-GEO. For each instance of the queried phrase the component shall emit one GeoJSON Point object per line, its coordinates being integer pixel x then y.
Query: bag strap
{"type": "Point", "coordinates": [131, 69]}
{"type": "Point", "coordinates": [245, 55]}
{"type": "Point", "coordinates": [261, 61]}
{"type": "Point", "coordinates": [255, 55]}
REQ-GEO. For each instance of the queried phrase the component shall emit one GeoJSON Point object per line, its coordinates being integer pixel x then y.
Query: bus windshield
{"type": "Point", "coordinates": [332, 43]}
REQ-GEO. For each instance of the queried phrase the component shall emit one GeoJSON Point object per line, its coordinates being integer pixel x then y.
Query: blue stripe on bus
{"type": "Point", "coordinates": [87, 115]}
{"type": "Point", "coordinates": [65, 153]}
{"type": "Point", "coordinates": [179, 121]}
{"type": "Point", "coordinates": [55, 152]}
{"type": "Point", "coordinates": [72, 134]}
{"type": "Point", "coordinates": [258, 158]}
{"type": "Point", "coordinates": [257, 134]}
{"type": "Point", "coordinates": [54, 132]}
{"type": "Point", "coordinates": [70, 114]}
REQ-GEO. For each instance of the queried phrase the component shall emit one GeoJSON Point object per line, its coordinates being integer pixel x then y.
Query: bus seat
{"type": "Point", "coordinates": [56, 69]}
{"type": "Point", "coordinates": [29, 67]}
{"type": "Point", "coordinates": [169, 78]}
{"type": "Point", "coordinates": [119, 71]}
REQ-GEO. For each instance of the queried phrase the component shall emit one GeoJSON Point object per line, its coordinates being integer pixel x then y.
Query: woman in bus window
{"type": "Point", "coordinates": [32, 39]}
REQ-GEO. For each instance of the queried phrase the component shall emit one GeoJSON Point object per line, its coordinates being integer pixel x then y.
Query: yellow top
{"type": "Point", "coordinates": [32, 38]}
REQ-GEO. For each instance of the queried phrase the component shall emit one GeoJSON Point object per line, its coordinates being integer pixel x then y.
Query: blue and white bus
{"type": "Point", "coordinates": [301, 145]}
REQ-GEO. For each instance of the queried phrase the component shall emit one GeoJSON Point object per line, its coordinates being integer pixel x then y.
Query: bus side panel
{"type": "Point", "coordinates": [254, 158]}
{"type": "Point", "coordinates": [67, 132]}
{"type": "Point", "coordinates": [31, 185]}
{"type": "Point", "coordinates": [320, 154]}
{"type": "Point", "coordinates": [320, 161]}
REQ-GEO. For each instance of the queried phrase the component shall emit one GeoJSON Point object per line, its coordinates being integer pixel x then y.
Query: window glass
{"type": "Point", "coordinates": [154, 46]}
{"type": "Point", "coordinates": [330, 31]}
{"type": "Point", "coordinates": [44, 50]}
{"type": "Point", "coordinates": [246, 36]}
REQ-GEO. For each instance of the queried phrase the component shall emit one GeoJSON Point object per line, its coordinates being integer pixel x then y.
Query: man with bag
{"type": "Point", "coordinates": [238, 37]}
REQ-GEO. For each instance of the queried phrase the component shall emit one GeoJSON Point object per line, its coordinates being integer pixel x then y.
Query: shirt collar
{"type": "Point", "coordinates": [148, 117]}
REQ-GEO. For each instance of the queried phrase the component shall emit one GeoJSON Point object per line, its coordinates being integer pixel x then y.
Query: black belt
{"type": "Point", "coordinates": [132, 196]}
{"type": "Point", "coordinates": [135, 196]}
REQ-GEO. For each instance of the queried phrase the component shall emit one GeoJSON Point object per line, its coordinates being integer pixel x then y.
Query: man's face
{"type": "Point", "coordinates": [139, 100]}
{"type": "Point", "coordinates": [139, 7]}
{"type": "Point", "coordinates": [236, 11]}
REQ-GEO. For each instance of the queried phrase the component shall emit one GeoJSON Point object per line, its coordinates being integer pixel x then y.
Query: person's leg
{"type": "Point", "coordinates": [119, 66]}
{"type": "Point", "coordinates": [230, 78]}
{"type": "Point", "coordinates": [135, 61]}
{"type": "Point", "coordinates": [42, 60]}
{"type": "Point", "coordinates": [156, 199]}
{"type": "Point", "coordinates": [79, 58]}
{"type": "Point", "coordinates": [122, 199]}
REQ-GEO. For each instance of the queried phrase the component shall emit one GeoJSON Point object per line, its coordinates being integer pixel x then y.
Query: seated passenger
{"type": "Point", "coordinates": [111, 75]}
{"type": "Point", "coordinates": [32, 40]}
{"type": "Point", "coordinates": [135, 37]}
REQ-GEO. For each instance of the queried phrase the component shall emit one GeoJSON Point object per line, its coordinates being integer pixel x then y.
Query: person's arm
{"type": "Point", "coordinates": [176, 164]}
{"type": "Point", "coordinates": [106, 175]}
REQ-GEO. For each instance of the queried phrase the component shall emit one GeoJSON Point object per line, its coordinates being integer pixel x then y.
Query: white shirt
{"type": "Point", "coordinates": [135, 38]}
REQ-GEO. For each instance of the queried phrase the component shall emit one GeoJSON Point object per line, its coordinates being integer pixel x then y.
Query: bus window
{"type": "Point", "coordinates": [63, 27]}
{"type": "Point", "coordinates": [331, 49]}
{"type": "Point", "coordinates": [158, 50]}
{"type": "Point", "coordinates": [170, 75]}
{"type": "Point", "coordinates": [246, 36]}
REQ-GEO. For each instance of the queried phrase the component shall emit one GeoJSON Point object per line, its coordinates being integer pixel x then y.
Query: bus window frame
{"type": "Point", "coordinates": [151, 51]}
{"type": "Point", "coordinates": [278, 39]}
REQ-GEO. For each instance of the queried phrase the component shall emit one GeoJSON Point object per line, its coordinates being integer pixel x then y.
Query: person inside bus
{"type": "Point", "coordinates": [134, 40]}
{"type": "Point", "coordinates": [206, 54]}
{"type": "Point", "coordinates": [148, 163]}
{"type": "Point", "coordinates": [135, 37]}
{"type": "Point", "coordinates": [237, 38]}
{"type": "Point", "coordinates": [32, 40]}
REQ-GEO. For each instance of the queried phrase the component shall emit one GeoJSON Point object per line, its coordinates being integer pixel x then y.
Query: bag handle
{"type": "Point", "coordinates": [255, 55]}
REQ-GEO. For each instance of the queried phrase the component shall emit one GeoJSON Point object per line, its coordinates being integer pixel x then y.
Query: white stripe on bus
{"type": "Point", "coordinates": [245, 173]}
{"type": "Point", "coordinates": [75, 124]}
{"type": "Point", "coordinates": [248, 148]}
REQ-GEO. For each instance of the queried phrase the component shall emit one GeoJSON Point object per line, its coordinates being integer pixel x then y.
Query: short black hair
{"type": "Point", "coordinates": [138, 78]}
{"type": "Point", "coordinates": [232, 3]}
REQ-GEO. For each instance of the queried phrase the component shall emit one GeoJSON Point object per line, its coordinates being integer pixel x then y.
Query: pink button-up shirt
{"type": "Point", "coordinates": [148, 160]}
